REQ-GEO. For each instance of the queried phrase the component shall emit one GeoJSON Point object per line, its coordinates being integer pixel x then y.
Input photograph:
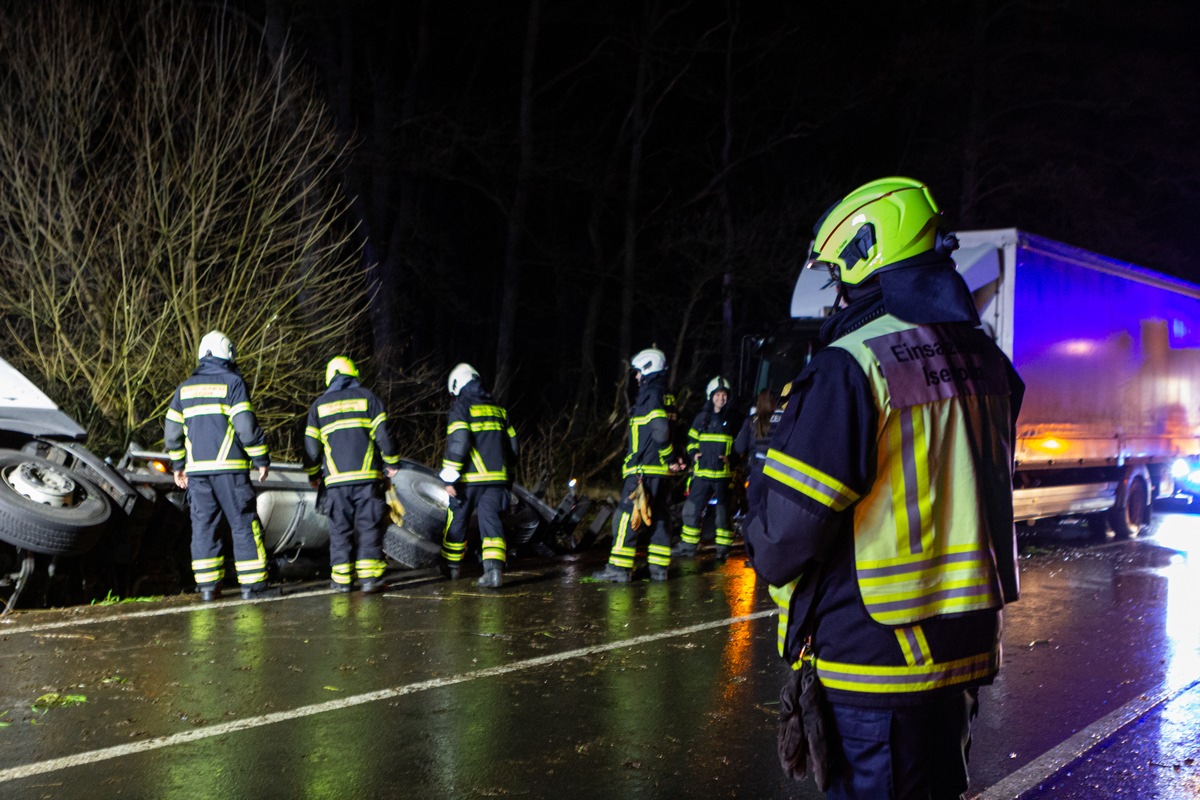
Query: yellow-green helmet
{"type": "Point", "coordinates": [875, 226]}
{"type": "Point", "coordinates": [339, 365]}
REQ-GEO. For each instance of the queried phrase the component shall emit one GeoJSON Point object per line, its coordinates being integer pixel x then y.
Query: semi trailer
{"type": "Point", "coordinates": [1109, 352]}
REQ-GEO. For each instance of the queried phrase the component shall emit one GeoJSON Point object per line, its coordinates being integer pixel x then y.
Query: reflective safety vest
{"type": "Point", "coordinates": [922, 543]}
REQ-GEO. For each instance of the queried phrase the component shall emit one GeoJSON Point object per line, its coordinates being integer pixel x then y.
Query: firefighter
{"type": "Point", "coordinates": [886, 526]}
{"type": "Point", "coordinates": [345, 439]}
{"type": "Point", "coordinates": [213, 439]}
{"type": "Point", "coordinates": [647, 462]}
{"type": "Point", "coordinates": [481, 446]}
{"type": "Point", "coordinates": [710, 452]}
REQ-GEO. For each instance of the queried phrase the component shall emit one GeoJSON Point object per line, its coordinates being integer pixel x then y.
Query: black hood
{"type": "Point", "coordinates": [341, 382]}
{"type": "Point", "coordinates": [923, 290]}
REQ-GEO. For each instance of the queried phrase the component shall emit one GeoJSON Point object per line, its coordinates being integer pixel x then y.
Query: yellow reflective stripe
{"type": "Point", "coordinates": [177, 455]}
{"type": "Point", "coordinates": [909, 678]}
{"type": "Point", "coordinates": [645, 469]}
{"type": "Point", "coordinates": [353, 475]}
{"type": "Point", "coordinates": [622, 554]}
{"type": "Point", "coordinates": [240, 408]}
{"type": "Point", "coordinates": [914, 645]}
{"type": "Point", "coordinates": [712, 473]}
{"type": "Point", "coordinates": [313, 433]}
{"type": "Point", "coordinates": [782, 595]}
{"type": "Point", "coordinates": [492, 549]}
{"type": "Point", "coordinates": [808, 480]}
{"type": "Point", "coordinates": [175, 415]}
{"type": "Point", "coordinates": [951, 597]}
{"type": "Point", "coordinates": [457, 426]}
{"type": "Point", "coordinates": [221, 465]}
{"type": "Point", "coordinates": [256, 450]}
{"type": "Point", "coordinates": [354, 423]}
{"type": "Point", "coordinates": [369, 567]}
{"type": "Point", "coordinates": [391, 459]}
{"type": "Point", "coordinates": [512, 433]}
{"type": "Point", "coordinates": [342, 407]}
{"type": "Point", "coordinates": [657, 413]}
{"type": "Point", "coordinates": [716, 437]}
{"type": "Point", "coordinates": [493, 425]}
{"type": "Point", "coordinates": [209, 410]}
{"type": "Point", "coordinates": [487, 411]}
{"type": "Point", "coordinates": [659, 555]}
{"type": "Point", "coordinates": [208, 563]}
{"type": "Point", "coordinates": [205, 390]}
{"type": "Point", "coordinates": [379, 420]}
{"type": "Point", "coordinates": [479, 477]}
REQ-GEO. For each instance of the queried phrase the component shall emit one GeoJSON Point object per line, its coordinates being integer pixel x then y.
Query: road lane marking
{"type": "Point", "coordinates": [232, 602]}
{"type": "Point", "coordinates": [226, 728]}
{"type": "Point", "coordinates": [1045, 766]}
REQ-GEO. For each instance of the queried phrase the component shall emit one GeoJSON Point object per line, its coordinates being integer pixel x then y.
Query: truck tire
{"type": "Point", "coordinates": [424, 498]}
{"type": "Point", "coordinates": [1132, 511]}
{"type": "Point", "coordinates": [409, 549]}
{"type": "Point", "coordinates": [35, 525]}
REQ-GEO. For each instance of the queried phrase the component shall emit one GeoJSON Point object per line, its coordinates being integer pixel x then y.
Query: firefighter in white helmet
{"type": "Point", "coordinates": [710, 453]}
{"type": "Point", "coordinates": [647, 462]}
{"type": "Point", "coordinates": [481, 452]}
{"type": "Point", "coordinates": [213, 439]}
{"type": "Point", "coordinates": [347, 447]}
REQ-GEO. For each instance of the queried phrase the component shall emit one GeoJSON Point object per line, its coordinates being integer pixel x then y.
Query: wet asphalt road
{"type": "Point", "coordinates": [557, 686]}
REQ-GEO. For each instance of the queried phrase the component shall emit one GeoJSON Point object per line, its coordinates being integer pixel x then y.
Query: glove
{"type": "Point", "coordinates": [641, 507]}
{"type": "Point", "coordinates": [802, 745]}
{"type": "Point", "coordinates": [395, 507]}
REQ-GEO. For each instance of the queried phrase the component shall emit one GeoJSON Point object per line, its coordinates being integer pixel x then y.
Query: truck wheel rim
{"type": "Point", "coordinates": [40, 484]}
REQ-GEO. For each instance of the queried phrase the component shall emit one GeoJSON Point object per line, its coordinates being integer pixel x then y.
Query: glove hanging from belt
{"type": "Point", "coordinates": [641, 506]}
{"type": "Point", "coordinates": [802, 714]}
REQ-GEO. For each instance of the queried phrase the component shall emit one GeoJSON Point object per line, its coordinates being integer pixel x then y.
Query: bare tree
{"type": "Point", "coordinates": [159, 180]}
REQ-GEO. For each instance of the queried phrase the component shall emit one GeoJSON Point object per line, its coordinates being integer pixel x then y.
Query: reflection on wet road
{"type": "Point", "coordinates": [554, 686]}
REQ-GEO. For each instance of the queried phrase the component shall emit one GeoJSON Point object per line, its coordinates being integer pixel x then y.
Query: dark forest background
{"type": "Point", "coordinates": [543, 187]}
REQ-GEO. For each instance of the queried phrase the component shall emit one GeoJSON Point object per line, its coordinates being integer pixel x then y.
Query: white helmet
{"type": "Point", "coordinates": [717, 384]}
{"type": "Point", "coordinates": [649, 361]}
{"type": "Point", "coordinates": [460, 376]}
{"type": "Point", "coordinates": [216, 344]}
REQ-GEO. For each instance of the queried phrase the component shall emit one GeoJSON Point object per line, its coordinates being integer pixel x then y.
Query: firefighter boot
{"type": "Point", "coordinates": [372, 585]}
{"type": "Point", "coordinates": [451, 570]}
{"type": "Point", "coordinates": [612, 574]}
{"type": "Point", "coordinates": [209, 593]}
{"type": "Point", "coordinates": [658, 573]}
{"type": "Point", "coordinates": [344, 588]}
{"type": "Point", "coordinates": [492, 577]}
{"type": "Point", "coordinates": [722, 552]}
{"type": "Point", "coordinates": [684, 549]}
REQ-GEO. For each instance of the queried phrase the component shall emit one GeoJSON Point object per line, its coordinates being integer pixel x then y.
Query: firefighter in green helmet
{"type": "Point", "coordinates": [884, 524]}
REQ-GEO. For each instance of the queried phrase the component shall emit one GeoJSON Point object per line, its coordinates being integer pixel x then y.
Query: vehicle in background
{"type": "Point", "coordinates": [1110, 355]}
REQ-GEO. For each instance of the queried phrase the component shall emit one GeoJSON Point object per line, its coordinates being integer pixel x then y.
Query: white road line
{"type": "Point", "coordinates": [1046, 765]}
{"type": "Point", "coordinates": [182, 609]}
{"type": "Point", "coordinates": [210, 731]}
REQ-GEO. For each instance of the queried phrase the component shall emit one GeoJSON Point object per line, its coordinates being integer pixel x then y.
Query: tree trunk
{"type": "Point", "coordinates": [511, 291]}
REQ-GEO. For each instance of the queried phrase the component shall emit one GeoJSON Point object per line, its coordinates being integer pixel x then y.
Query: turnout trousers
{"type": "Point", "coordinates": [700, 492]}
{"type": "Point", "coordinates": [489, 503]}
{"type": "Point", "coordinates": [625, 538]}
{"type": "Point", "coordinates": [356, 517]}
{"type": "Point", "coordinates": [229, 494]}
{"type": "Point", "coordinates": [903, 753]}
